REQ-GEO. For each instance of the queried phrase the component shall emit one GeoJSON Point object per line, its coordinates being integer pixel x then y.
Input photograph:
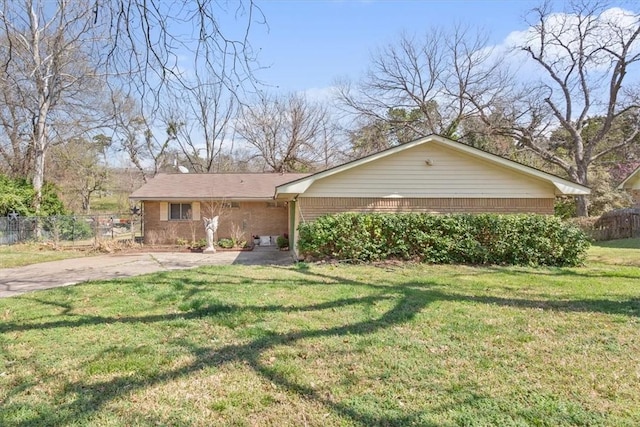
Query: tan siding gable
{"type": "Point", "coordinates": [634, 184]}
{"type": "Point", "coordinates": [451, 174]}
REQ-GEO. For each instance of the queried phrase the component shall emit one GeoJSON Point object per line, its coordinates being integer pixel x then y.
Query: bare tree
{"type": "Point", "coordinates": [420, 86]}
{"type": "Point", "coordinates": [288, 132]}
{"type": "Point", "coordinates": [146, 151]}
{"type": "Point", "coordinates": [202, 117]}
{"type": "Point", "coordinates": [16, 152]}
{"type": "Point", "coordinates": [147, 41]}
{"type": "Point", "coordinates": [54, 52]}
{"type": "Point", "coordinates": [45, 72]}
{"type": "Point", "coordinates": [79, 170]}
{"type": "Point", "coordinates": [585, 57]}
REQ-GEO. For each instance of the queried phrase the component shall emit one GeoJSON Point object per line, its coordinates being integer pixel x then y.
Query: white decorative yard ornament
{"type": "Point", "coordinates": [210, 227]}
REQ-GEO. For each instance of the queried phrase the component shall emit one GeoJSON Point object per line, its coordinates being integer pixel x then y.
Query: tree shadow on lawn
{"type": "Point", "coordinates": [552, 271]}
{"type": "Point", "coordinates": [90, 397]}
{"type": "Point", "coordinates": [84, 398]}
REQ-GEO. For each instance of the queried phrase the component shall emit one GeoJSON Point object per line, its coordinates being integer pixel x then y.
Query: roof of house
{"type": "Point", "coordinates": [629, 180]}
{"type": "Point", "coordinates": [563, 186]}
{"type": "Point", "coordinates": [229, 186]}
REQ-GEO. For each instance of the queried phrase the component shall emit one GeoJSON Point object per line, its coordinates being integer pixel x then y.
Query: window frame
{"type": "Point", "coordinates": [185, 214]}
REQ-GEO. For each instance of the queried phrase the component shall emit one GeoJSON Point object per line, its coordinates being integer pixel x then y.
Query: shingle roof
{"type": "Point", "coordinates": [227, 186]}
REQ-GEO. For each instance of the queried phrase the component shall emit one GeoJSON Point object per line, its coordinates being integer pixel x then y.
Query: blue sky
{"type": "Point", "coordinates": [310, 43]}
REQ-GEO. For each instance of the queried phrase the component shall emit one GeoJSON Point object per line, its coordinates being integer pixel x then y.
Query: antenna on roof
{"type": "Point", "coordinates": [182, 169]}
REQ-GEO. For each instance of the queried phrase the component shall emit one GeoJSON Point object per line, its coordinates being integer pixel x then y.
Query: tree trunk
{"type": "Point", "coordinates": [38, 179]}
{"type": "Point", "coordinates": [582, 202]}
{"type": "Point", "coordinates": [582, 206]}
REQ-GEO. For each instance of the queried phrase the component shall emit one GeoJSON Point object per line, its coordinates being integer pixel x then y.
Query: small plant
{"type": "Point", "coordinates": [237, 235]}
{"type": "Point", "coordinates": [169, 234]}
{"type": "Point", "coordinates": [282, 242]}
{"type": "Point", "coordinates": [153, 237]}
{"type": "Point", "coordinates": [226, 243]}
{"type": "Point", "coordinates": [181, 242]}
{"type": "Point", "coordinates": [199, 244]}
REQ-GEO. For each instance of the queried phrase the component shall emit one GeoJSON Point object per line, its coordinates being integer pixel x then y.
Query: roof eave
{"type": "Point", "coordinates": [571, 190]}
{"type": "Point", "coordinates": [216, 198]}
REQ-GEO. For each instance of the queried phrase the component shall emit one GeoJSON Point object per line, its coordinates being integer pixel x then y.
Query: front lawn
{"type": "Point", "coordinates": [622, 252]}
{"type": "Point", "coordinates": [328, 345]}
{"type": "Point", "coordinates": [31, 253]}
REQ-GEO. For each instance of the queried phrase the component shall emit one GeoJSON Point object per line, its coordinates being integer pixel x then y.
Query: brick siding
{"type": "Point", "coordinates": [250, 218]}
{"type": "Point", "coordinates": [311, 208]}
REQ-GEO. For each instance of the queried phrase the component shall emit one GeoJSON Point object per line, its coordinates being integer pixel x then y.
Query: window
{"type": "Point", "coordinates": [179, 211]}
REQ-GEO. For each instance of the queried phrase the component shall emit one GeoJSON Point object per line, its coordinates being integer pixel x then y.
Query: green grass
{"type": "Point", "coordinates": [620, 244]}
{"type": "Point", "coordinates": [110, 204]}
{"type": "Point", "coordinates": [26, 254]}
{"type": "Point", "coordinates": [328, 345]}
{"type": "Point", "coordinates": [623, 252]}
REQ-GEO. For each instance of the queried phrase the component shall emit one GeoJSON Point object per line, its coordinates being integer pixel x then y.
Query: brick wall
{"type": "Point", "coordinates": [250, 218]}
{"type": "Point", "coordinates": [311, 208]}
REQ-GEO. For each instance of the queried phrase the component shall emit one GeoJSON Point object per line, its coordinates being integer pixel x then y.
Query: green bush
{"type": "Point", "coordinates": [444, 239]}
{"type": "Point", "coordinates": [66, 228]}
{"type": "Point", "coordinates": [197, 244]}
{"type": "Point", "coordinates": [226, 243]}
{"type": "Point", "coordinates": [18, 194]}
{"type": "Point", "coordinates": [282, 242]}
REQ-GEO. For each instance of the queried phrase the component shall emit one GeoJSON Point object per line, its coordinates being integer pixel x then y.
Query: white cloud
{"type": "Point", "coordinates": [565, 26]}
{"type": "Point", "coordinates": [319, 94]}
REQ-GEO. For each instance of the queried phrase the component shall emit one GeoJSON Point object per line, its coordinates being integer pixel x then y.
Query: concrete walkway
{"type": "Point", "coordinates": [15, 281]}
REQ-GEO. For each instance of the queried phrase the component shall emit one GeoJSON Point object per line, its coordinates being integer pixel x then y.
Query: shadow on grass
{"type": "Point", "coordinates": [82, 399]}
{"type": "Point", "coordinates": [554, 272]}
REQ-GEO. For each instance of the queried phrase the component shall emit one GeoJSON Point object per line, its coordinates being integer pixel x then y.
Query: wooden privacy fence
{"type": "Point", "coordinates": [618, 224]}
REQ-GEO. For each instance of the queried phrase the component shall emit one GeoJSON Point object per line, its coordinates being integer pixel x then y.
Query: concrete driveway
{"type": "Point", "coordinates": [15, 281]}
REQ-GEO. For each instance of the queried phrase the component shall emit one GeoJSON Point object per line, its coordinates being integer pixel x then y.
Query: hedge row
{"type": "Point", "coordinates": [444, 239]}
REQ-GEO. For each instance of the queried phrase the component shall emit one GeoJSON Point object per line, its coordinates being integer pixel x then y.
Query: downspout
{"type": "Point", "coordinates": [293, 235]}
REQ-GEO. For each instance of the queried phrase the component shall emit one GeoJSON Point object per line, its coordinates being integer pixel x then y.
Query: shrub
{"type": "Point", "coordinates": [444, 239]}
{"type": "Point", "coordinates": [226, 243]}
{"type": "Point", "coordinates": [67, 228]}
{"type": "Point", "coordinates": [199, 244]}
{"type": "Point", "coordinates": [18, 194]}
{"type": "Point", "coordinates": [282, 242]}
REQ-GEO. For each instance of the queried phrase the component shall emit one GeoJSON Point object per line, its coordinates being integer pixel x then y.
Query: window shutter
{"type": "Point", "coordinates": [195, 210]}
{"type": "Point", "coordinates": [164, 211]}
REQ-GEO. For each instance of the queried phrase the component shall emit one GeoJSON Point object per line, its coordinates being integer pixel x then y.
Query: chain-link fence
{"type": "Point", "coordinates": [70, 230]}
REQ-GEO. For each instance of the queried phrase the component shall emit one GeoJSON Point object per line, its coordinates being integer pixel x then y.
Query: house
{"type": "Point", "coordinates": [632, 185]}
{"type": "Point", "coordinates": [173, 205]}
{"type": "Point", "coordinates": [432, 174]}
